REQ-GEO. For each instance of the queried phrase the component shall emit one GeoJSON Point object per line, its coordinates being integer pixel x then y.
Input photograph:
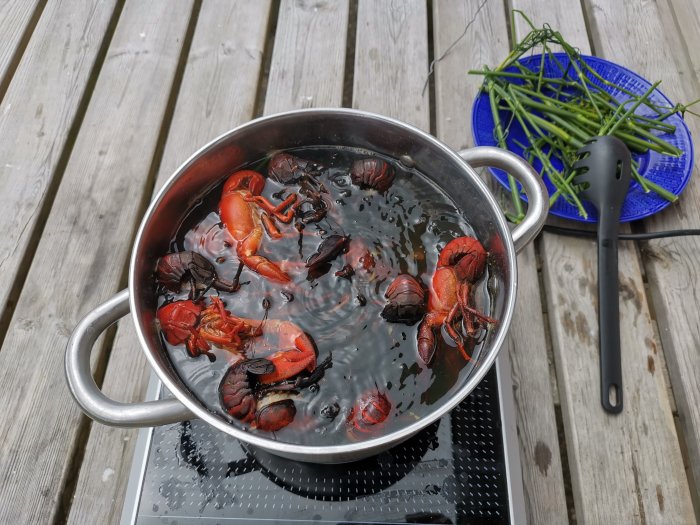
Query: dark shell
{"type": "Point", "coordinates": [172, 268]}
{"type": "Point", "coordinates": [372, 173]}
{"type": "Point", "coordinates": [329, 249]}
{"type": "Point", "coordinates": [235, 391]}
{"type": "Point", "coordinates": [288, 169]}
{"type": "Point", "coordinates": [406, 297]}
{"type": "Point", "coordinates": [275, 416]}
{"type": "Point", "coordinates": [330, 411]}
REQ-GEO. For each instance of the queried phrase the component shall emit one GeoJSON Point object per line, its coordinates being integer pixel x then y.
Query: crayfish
{"type": "Point", "coordinates": [172, 268]}
{"type": "Point", "coordinates": [406, 297]}
{"type": "Point", "coordinates": [371, 409]}
{"type": "Point", "coordinates": [245, 213]}
{"type": "Point", "coordinates": [198, 327]}
{"type": "Point", "coordinates": [460, 265]}
{"type": "Point", "coordinates": [249, 380]}
{"type": "Point", "coordinates": [372, 173]}
{"type": "Point", "coordinates": [179, 321]}
{"type": "Point", "coordinates": [288, 169]}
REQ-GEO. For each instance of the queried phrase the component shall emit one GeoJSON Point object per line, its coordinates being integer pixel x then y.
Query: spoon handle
{"type": "Point", "coordinates": [609, 315]}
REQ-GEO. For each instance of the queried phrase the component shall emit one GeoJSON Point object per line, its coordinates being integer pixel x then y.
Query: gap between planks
{"type": "Point", "coordinates": [13, 42]}
{"type": "Point", "coordinates": [81, 441]}
{"type": "Point", "coordinates": [87, 213]}
{"type": "Point", "coordinates": [594, 497]}
{"type": "Point", "coordinates": [26, 254]}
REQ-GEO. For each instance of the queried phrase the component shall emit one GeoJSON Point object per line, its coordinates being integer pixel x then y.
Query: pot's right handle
{"type": "Point", "coordinates": [537, 196]}
{"type": "Point", "coordinates": [88, 395]}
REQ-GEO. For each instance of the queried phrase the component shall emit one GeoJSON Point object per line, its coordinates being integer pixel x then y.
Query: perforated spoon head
{"type": "Point", "coordinates": [604, 168]}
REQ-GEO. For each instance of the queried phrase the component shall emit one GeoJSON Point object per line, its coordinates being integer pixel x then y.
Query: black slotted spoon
{"type": "Point", "coordinates": [604, 171]}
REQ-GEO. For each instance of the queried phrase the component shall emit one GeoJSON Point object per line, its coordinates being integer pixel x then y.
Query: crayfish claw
{"type": "Point", "coordinates": [328, 250]}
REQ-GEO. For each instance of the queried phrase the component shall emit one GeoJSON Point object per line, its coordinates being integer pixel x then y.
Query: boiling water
{"type": "Point", "coordinates": [404, 230]}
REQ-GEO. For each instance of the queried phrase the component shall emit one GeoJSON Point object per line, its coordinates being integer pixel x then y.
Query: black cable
{"type": "Point", "coordinates": [574, 232]}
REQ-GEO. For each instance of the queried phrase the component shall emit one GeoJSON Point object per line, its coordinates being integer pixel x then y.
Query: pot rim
{"type": "Point", "coordinates": [324, 453]}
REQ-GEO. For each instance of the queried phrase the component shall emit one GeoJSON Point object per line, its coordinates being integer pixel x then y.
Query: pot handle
{"type": "Point", "coordinates": [537, 196]}
{"type": "Point", "coordinates": [88, 395]}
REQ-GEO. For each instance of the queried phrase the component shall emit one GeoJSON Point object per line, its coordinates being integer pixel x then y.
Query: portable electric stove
{"type": "Point", "coordinates": [463, 469]}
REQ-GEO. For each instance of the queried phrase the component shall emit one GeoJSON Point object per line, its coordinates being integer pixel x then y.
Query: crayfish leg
{"type": "Point", "coordinates": [270, 227]}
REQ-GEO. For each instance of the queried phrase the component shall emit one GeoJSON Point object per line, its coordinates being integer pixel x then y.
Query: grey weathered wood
{"type": "Point", "coordinates": [624, 468]}
{"type": "Point", "coordinates": [104, 471]}
{"type": "Point", "coordinates": [391, 60]}
{"type": "Point", "coordinates": [672, 265]}
{"type": "Point", "coordinates": [35, 117]}
{"type": "Point", "coordinates": [81, 256]}
{"type": "Point", "coordinates": [15, 18]}
{"type": "Point", "coordinates": [309, 55]}
{"type": "Point", "coordinates": [217, 93]}
{"type": "Point", "coordinates": [486, 43]}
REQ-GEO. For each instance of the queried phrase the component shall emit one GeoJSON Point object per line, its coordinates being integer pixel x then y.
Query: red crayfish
{"type": "Point", "coordinates": [178, 322]}
{"type": "Point", "coordinates": [371, 409]}
{"type": "Point", "coordinates": [248, 381]}
{"type": "Point", "coordinates": [173, 267]}
{"type": "Point", "coordinates": [239, 209]}
{"type": "Point", "coordinates": [198, 327]}
{"type": "Point", "coordinates": [460, 265]}
{"type": "Point", "coordinates": [406, 297]}
{"type": "Point", "coordinates": [372, 173]}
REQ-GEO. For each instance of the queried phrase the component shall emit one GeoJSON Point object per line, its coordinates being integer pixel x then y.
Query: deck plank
{"type": "Point", "coordinates": [391, 61]}
{"type": "Point", "coordinates": [681, 19]}
{"type": "Point", "coordinates": [36, 115]}
{"type": "Point", "coordinates": [89, 226]}
{"type": "Point", "coordinates": [15, 21]}
{"type": "Point", "coordinates": [672, 264]}
{"type": "Point", "coordinates": [486, 43]}
{"type": "Point", "coordinates": [217, 93]}
{"type": "Point", "coordinates": [309, 55]}
{"type": "Point", "coordinates": [624, 468]}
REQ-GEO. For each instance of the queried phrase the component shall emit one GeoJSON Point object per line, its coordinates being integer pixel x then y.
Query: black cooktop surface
{"type": "Point", "coordinates": [452, 472]}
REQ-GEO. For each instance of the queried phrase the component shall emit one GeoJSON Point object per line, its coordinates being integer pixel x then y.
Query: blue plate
{"type": "Point", "coordinates": [669, 172]}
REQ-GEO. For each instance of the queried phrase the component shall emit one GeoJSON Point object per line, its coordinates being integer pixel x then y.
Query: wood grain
{"type": "Point", "coordinates": [15, 20]}
{"type": "Point", "coordinates": [673, 265]}
{"type": "Point", "coordinates": [309, 55]}
{"type": "Point", "coordinates": [391, 60]}
{"type": "Point", "coordinates": [486, 43]}
{"type": "Point", "coordinates": [36, 115]}
{"type": "Point", "coordinates": [619, 464]}
{"type": "Point", "coordinates": [217, 93]}
{"type": "Point", "coordinates": [82, 253]}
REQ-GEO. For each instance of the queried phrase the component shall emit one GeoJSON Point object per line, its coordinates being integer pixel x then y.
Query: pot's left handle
{"type": "Point", "coordinates": [88, 395]}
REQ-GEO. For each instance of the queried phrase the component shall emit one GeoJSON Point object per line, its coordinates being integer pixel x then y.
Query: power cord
{"type": "Point", "coordinates": [574, 232]}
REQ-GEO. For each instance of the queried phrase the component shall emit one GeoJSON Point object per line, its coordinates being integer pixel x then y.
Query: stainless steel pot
{"type": "Point", "coordinates": [222, 156]}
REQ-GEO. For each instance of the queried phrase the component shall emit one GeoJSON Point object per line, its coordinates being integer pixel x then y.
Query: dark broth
{"type": "Point", "coordinates": [404, 229]}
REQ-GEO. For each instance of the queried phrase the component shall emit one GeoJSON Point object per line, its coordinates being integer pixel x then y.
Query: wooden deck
{"type": "Point", "coordinates": [101, 100]}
